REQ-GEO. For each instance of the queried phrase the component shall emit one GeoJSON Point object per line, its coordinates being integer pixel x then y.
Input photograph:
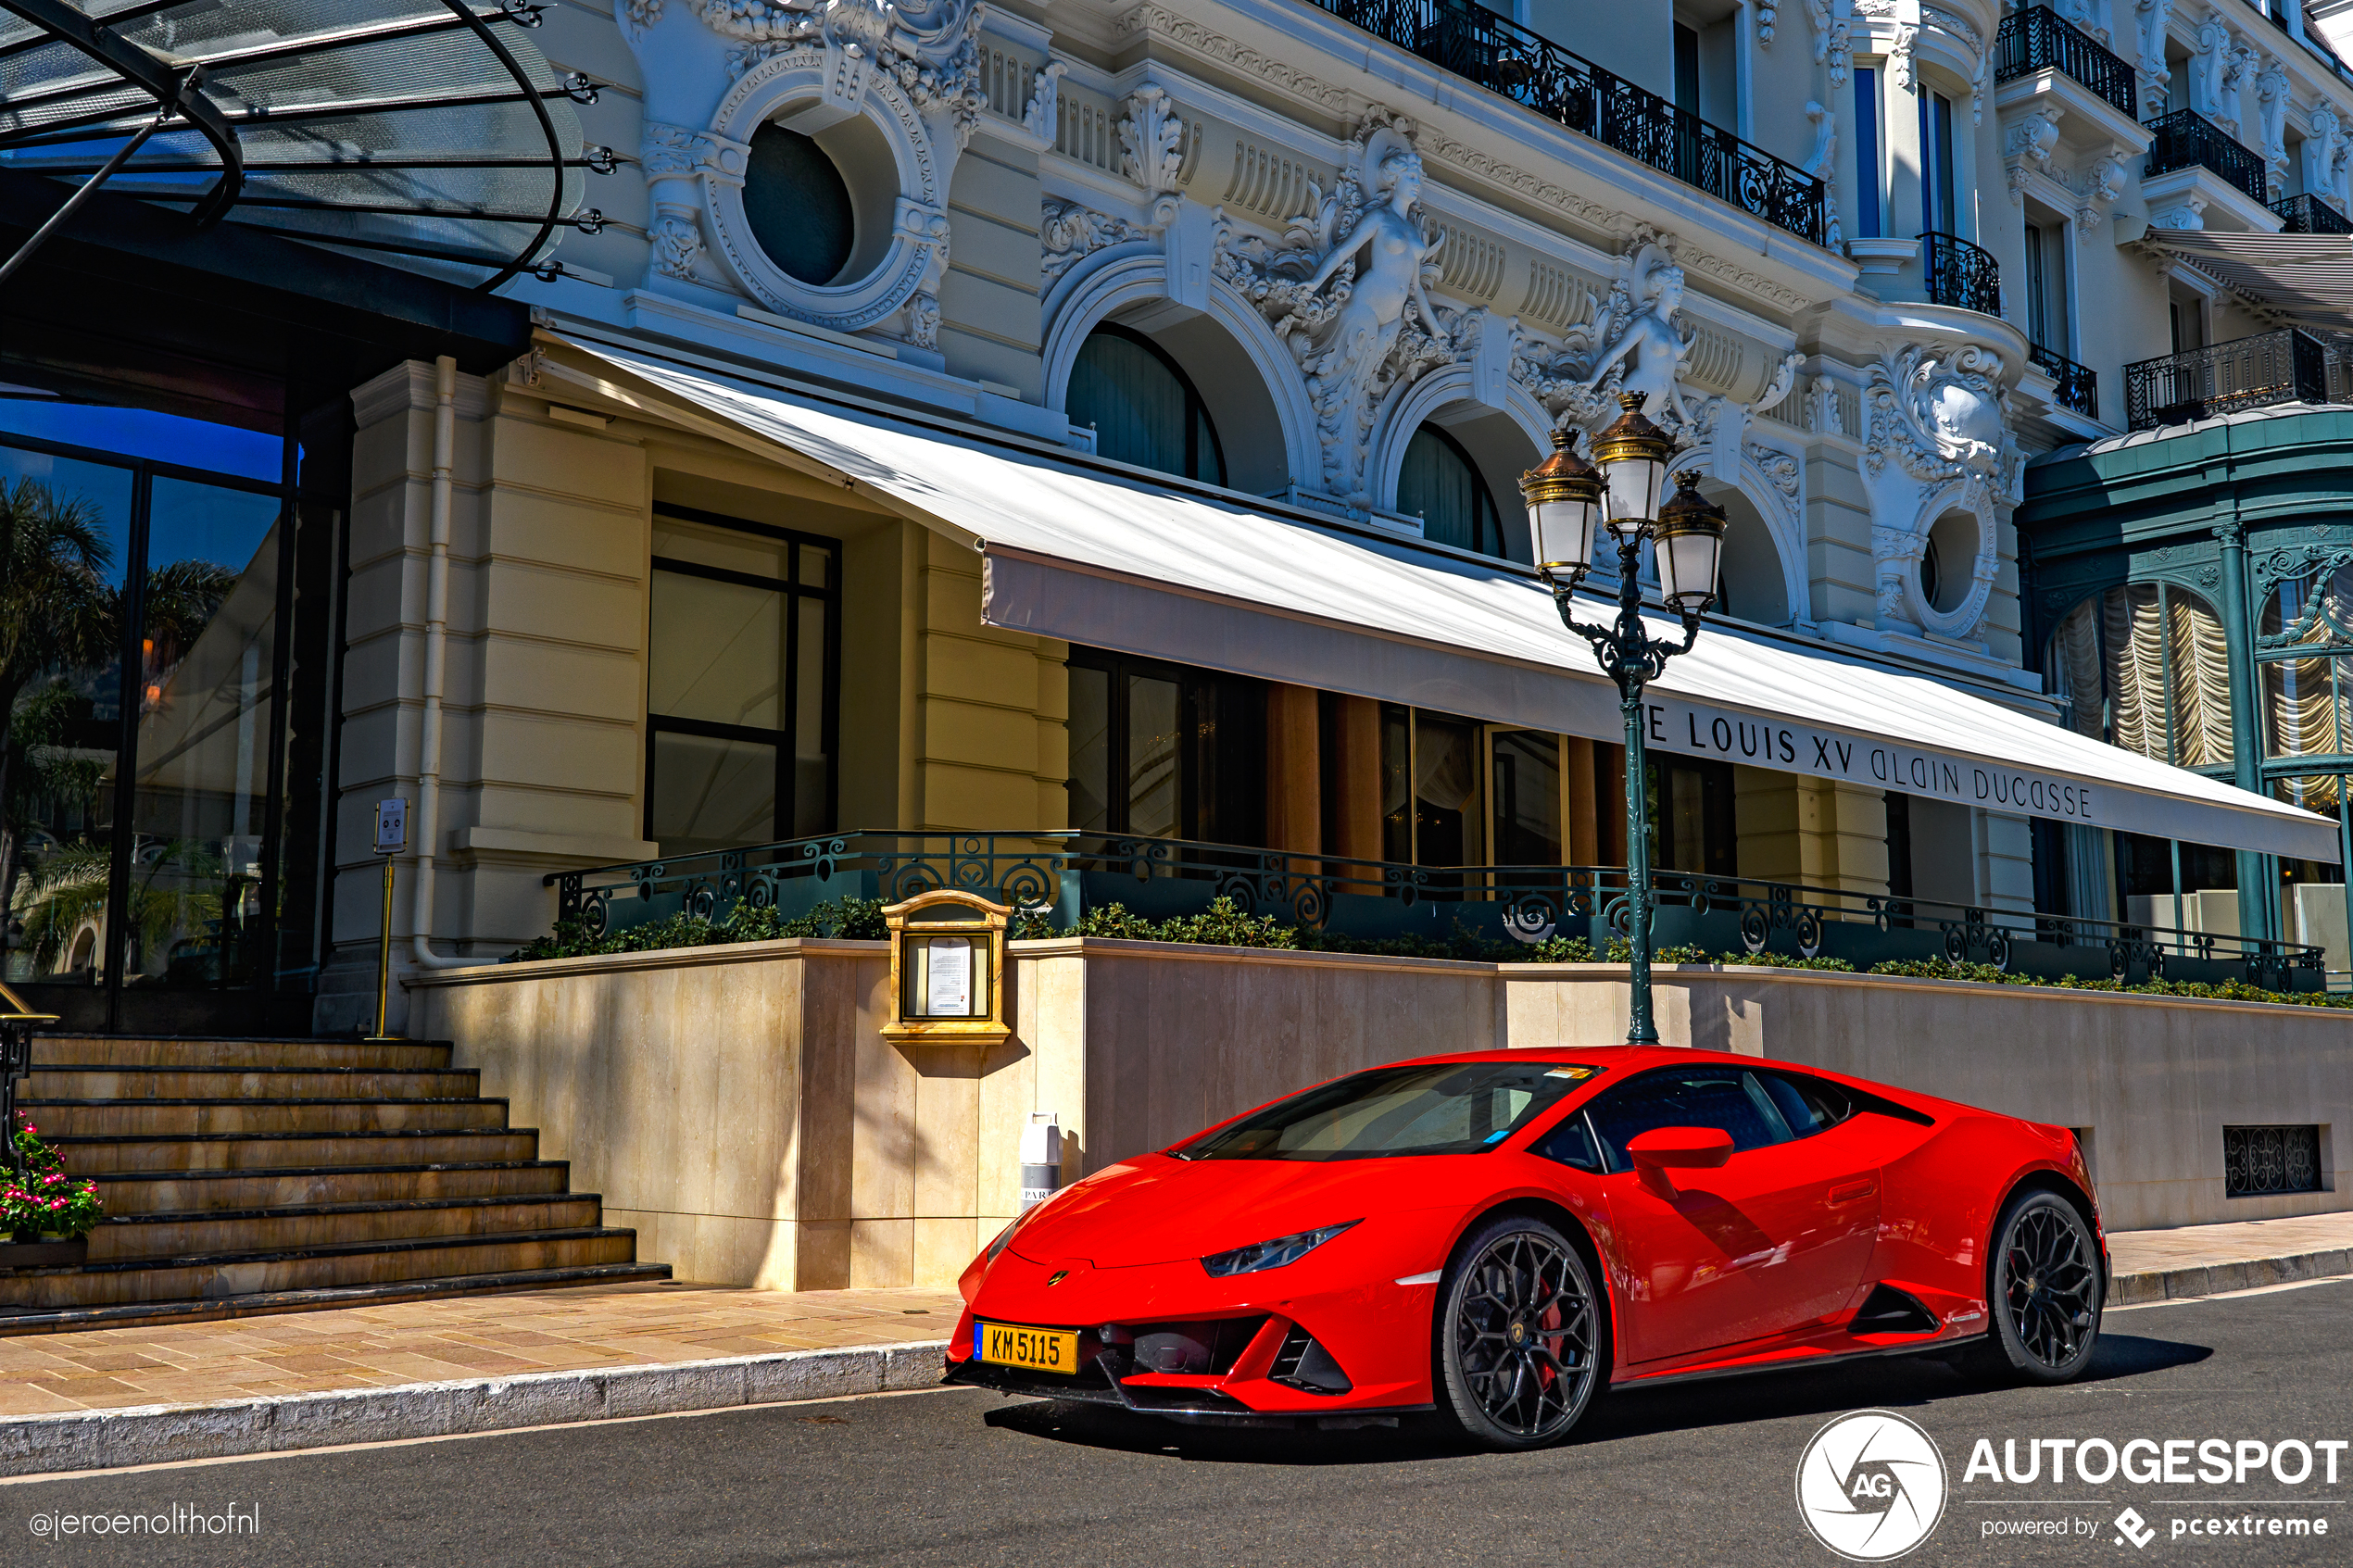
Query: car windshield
{"type": "Point", "coordinates": [1445, 1108]}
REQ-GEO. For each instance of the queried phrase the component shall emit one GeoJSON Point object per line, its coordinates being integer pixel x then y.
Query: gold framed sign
{"type": "Point", "coordinates": [948, 968]}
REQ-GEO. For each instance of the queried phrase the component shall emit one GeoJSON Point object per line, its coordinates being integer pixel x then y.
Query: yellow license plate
{"type": "Point", "coordinates": [1039, 1350]}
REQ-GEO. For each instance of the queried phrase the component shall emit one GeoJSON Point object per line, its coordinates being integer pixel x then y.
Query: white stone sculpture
{"type": "Point", "coordinates": [1833, 26]}
{"type": "Point", "coordinates": [1823, 166]}
{"type": "Point", "coordinates": [1632, 343]}
{"type": "Point", "coordinates": [1346, 291]}
{"type": "Point", "coordinates": [930, 48]}
{"type": "Point", "coordinates": [2270, 112]}
{"type": "Point", "coordinates": [1151, 141]}
{"type": "Point", "coordinates": [2148, 17]}
{"type": "Point", "coordinates": [1766, 11]}
{"type": "Point", "coordinates": [1936, 441]}
{"type": "Point", "coordinates": [2323, 138]}
{"type": "Point", "coordinates": [2103, 183]}
{"type": "Point", "coordinates": [1045, 103]}
{"type": "Point", "coordinates": [1068, 232]}
{"type": "Point", "coordinates": [2028, 146]}
{"type": "Point", "coordinates": [1903, 70]}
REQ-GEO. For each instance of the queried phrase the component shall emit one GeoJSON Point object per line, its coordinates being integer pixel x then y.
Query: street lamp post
{"type": "Point", "coordinates": [1566, 498]}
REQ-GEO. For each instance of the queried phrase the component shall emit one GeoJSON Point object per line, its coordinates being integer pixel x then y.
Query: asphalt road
{"type": "Point", "coordinates": [1702, 1474]}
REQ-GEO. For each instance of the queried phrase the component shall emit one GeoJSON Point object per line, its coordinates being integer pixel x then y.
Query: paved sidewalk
{"type": "Point", "coordinates": [132, 1395]}
{"type": "Point", "coordinates": [476, 1336]}
{"type": "Point", "coordinates": [2207, 1259]}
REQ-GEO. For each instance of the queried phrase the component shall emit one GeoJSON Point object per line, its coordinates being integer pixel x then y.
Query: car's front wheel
{"type": "Point", "coordinates": [1519, 1335]}
{"type": "Point", "coordinates": [2046, 1291]}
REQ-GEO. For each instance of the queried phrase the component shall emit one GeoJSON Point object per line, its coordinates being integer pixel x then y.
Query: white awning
{"type": "Point", "coordinates": [2307, 277]}
{"type": "Point", "coordinates": [1090, 553]}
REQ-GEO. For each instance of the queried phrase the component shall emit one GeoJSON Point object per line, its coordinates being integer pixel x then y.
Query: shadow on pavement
{"type": "Point", "coordinates": [1897, 1383]}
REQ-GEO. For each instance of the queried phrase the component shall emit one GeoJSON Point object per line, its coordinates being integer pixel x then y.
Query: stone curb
{"type": "Point", "coordinates": [2213, 1279]}
{"type": "Point", "coordinates": [168, 1434]}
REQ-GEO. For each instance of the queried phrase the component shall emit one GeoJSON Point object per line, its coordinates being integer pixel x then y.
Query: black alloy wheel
{"type": "Point", "coordinates": [2046, 1291]}
{"type": "Point", "coordinates": [1518, 1334]}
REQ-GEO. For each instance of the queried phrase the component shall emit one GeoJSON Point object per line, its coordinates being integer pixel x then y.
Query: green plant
{"type": "Point", "coordinates": [854, 919]}
{"type": "Point", "coordinates": [44, 1198]}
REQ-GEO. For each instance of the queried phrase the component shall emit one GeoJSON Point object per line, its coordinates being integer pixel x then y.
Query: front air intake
{"type": "Point", "coordinates": [1304, 1363]}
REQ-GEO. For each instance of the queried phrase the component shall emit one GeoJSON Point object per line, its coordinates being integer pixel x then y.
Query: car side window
{"type": "Point", "coordinates": [1808, 1105]}
{"type": "Point", "coordinates": [1571, 1143]}
{"type": "Point", "coordinates": [1686, 1096]}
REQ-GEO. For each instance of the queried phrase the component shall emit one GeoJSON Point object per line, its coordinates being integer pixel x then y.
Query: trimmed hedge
{"type": "Point", "coordinates": [1224, 924]}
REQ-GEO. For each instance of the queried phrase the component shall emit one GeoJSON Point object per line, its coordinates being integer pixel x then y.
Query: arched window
{"type": "Point", "coordinates": [1439, 485]}
{"type": "Point", "coordinates": [2146, 667]}
{"type": "Point", "coordinates": [2307, 701]}
{"type": "Point", "coordinates": [1143, 409]}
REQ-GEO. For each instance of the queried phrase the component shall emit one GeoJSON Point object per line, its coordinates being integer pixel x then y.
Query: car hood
{"type": "Point", "coordinates": [1158, 1210]}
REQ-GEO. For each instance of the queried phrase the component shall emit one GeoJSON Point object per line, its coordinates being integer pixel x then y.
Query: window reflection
{"type": "Point", "coordinates": [66, 543]}
{"type": "Point", "coordinates": [207, 662]}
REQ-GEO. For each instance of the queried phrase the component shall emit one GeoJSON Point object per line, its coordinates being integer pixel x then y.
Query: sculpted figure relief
{"type": "Point", "coordinates": [1347, 290]}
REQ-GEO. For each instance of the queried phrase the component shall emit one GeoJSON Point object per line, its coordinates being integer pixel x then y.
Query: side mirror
{"type": "Point", "coordinates": [1677, 1148]}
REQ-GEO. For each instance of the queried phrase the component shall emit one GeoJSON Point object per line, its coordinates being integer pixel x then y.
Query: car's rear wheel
{"type": "Point", "coordinates": [2046, 1291]}
{"type": "Point", "coordinates": [1518, 1334]}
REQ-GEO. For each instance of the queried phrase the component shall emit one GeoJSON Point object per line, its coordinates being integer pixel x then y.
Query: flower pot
{"type": "Point", "coordinates": [50, 1254]}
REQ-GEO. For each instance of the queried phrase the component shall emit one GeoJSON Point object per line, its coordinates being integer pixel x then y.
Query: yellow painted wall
{"type": "Point", "coordinates": [1816, 832]}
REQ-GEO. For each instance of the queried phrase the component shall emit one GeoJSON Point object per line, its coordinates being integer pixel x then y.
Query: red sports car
{"type": "Point", "coordinates": [1495, 1235]}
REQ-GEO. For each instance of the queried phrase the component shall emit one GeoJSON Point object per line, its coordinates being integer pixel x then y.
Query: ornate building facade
{"type": "Point", "coordinates": [1342, 266]}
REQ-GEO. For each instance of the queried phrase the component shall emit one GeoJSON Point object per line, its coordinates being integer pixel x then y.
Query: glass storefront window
{"type": "Point", "coordinates": [206, 663]}
{"type": "Point", "coordinates": [1527, 773]}
{"type": "Point", "coordinates": [742, 682]}
{"type": "Point", "coordinates": [1164, 751]}
{"type": "Point", "coordinates": [150, 746]}
{"type": "Point", "coordinates": [68, 545]}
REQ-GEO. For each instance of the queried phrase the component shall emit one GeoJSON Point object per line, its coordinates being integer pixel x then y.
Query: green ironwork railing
{"type": "Point", "coordinates": [1063, 875]}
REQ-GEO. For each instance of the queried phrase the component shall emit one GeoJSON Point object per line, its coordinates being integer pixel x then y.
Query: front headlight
{"type": "Point", "coordinates": [1271, 1254]}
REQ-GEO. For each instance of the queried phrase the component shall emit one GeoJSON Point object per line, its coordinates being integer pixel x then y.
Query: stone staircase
{"type": "Point", "coordinates": [253, 1175]}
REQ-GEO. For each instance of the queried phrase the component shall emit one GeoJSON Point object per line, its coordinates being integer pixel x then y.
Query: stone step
{"type": "Point", "coordinates": [225, 1191]}
{"type": "Point", "coordinates": [259, 1151]}
{"type": "Point", "coordinates": [96, 1081]}
{"type": "Point", "coordinates": [206, 1276]}
{"type": "Point", "coordinates": [193, 1051]}
{"type": "Point", "coordinates": [307, 1227]}
{"type": "Point", "coordinates": [137, 1313]}
{"type": "Point", "coordinates": [63, 1122]}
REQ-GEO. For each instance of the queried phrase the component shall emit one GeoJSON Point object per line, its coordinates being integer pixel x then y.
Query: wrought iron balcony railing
{"type": "Point", "coordinates": [2039, 39]}
{"type": "Point", "coordinates": [2186, 138]}
{"type": "Point", "coordinates": [1499, 55]}
{"type": "Point", "coordinates": [1065, 875]}
{"type": "Point", "coordinates": [1961, 274]}
{"type": "Point", "coordinates": [2310, 215]}
{"type": "Point", "coordinates": [2078, 388]}
{"type": "Point", "coordinates": [2289, 366]}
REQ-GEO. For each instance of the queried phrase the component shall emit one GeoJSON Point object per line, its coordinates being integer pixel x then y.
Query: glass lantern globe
{"type": "Point", "coordinates": [1689, 539]}
{"type": "Point", "coordinates": [1633, 455]}
{"type": "Point", "coordinates": [1564, 496]}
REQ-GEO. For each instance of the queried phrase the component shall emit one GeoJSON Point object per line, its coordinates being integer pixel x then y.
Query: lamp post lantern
{"type": "Point", "coordinates": [1565, 497]}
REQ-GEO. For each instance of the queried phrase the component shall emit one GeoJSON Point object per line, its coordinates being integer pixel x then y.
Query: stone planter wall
{"type": "Point", "coordinates": [741, 1107]}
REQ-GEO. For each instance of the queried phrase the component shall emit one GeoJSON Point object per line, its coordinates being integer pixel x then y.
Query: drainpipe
{"type": "Point", "coordinates": [444, 444]}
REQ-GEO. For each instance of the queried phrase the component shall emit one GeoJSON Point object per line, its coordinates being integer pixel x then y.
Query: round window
{"type": "Point", "coordinates": [1947, 562]}
{"type": "Point", "coordinates": [798, 206]}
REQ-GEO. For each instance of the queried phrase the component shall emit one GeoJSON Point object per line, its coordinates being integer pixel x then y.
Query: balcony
{"type": "Point", "coordinates": [1475, 44]}
{"type": "Point", "coordinates": [2078, 388]}
{"type": "Point", "coordinates": [1961, 274]}
{"type": "Point", "coordinates": [2186, 138]}
{"type": "Point", "coordinates": [2310, 215]}
{"type": "Point", "coordinates": [2289, 366]}
{"type": "Point", "coordinates": [2040, 39]}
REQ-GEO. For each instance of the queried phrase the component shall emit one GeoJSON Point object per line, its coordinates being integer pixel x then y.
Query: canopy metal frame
{"type": "Point", "coordinates": [132, 91]}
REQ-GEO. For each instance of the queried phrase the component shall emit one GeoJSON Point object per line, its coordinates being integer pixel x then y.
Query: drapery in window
{"type": "Point", "coordinates": [2305, 705]}
{"type": "Point", "coordinates": [2112, 657]}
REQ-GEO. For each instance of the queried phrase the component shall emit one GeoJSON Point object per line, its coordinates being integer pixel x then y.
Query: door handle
{"type": "Point", "coordinates": [1847, 1192]}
